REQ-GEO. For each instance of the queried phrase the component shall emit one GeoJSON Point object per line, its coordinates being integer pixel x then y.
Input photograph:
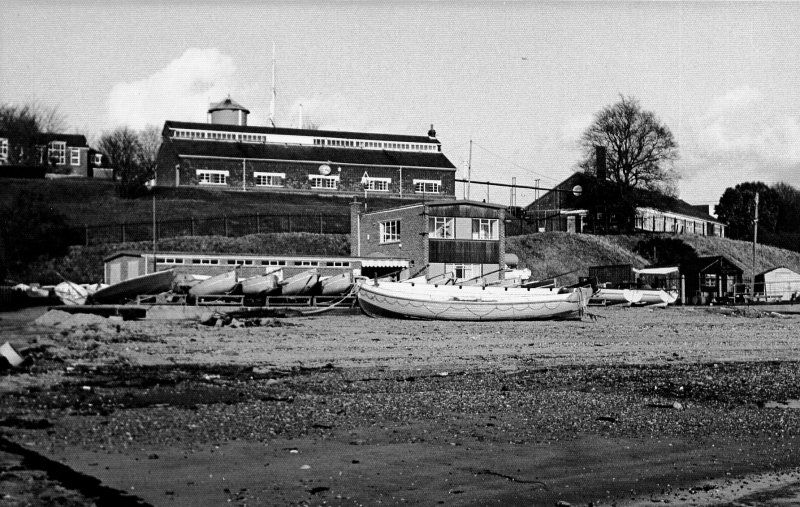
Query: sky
{"type": "Point", "coordinates": [520, 80]}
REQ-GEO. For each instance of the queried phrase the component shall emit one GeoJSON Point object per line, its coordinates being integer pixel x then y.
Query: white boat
{"type": "Point", "coordinates": [636, 296]}
{"type": "Point", "coordinates": [417, 279]}
{"type": "Point", "coordinates": [71, 294]}
{"type": "Point", "coordinates": [126, 290]}
{"type": "Point", "coordinates": [336, 285]}
{"type": "Point", "coordinates": [261, 284]}
{"type": "Point", "coordinates": [216, 285]}
{"type": "Point", "coordinates": [299, 284]}
{"type": "Point", "coordinates": [469, 303]}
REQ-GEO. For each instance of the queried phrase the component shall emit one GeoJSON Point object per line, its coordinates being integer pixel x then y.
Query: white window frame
{"type": "Point", "coordinates": [4, 149]}
{"type": "Point", "coordinates": [74, 156]}
{"type": "Point", "coordinates": [332, 182]}
{"type": "Point", "coordinates": [208, 177]}
{"type": "Point", "coordinates": [57, 150]}
{"type": "Point", "coordinates": [467, 271]}
{"type": "Point", "coordinates": [390, 231]}
{"type": "Point", "coordinates": [378, 184]}
{"type": "Point", "coordinates": [442, 227]}
{"type": "Point", "coordinates": [98, 159]}
{"type": "Point", "coordinates": [269, 179]}
{"type": "Point", "coordinates": [485, 229]}
{"type": "Point", "coordinates": [427, 186]}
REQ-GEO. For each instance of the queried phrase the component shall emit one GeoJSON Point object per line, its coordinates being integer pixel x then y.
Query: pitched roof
{"type": "Point", "coordinates": [169, 124]}
{"type": "Point", "coordinates": [74, 140]}
{"type": "Point", "coordinates": [298, 153]}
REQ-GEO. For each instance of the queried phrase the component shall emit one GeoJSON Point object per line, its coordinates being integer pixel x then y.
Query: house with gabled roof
{"type": "Point", "coordinates": [228, 154]}
{"type": "Point", "coordinates": [59, 153]}
{"type": "Point", "coordinates": [582, 203]}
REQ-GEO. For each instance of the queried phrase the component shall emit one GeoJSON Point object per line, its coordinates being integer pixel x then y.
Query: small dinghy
{"type": "Point", "coordinates": [216, 285]}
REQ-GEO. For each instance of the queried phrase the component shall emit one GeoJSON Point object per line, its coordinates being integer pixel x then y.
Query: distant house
{"type": "Point", "coordinates": [60, 153]}
{"type": "Point", "coordinates": [228, 154]}
{"type": "Point", "coordinates": [710, 279]}
{"type": "Point", "coordinates": [444, 240]}
{"type": "Point", "coordinates": [582, 203]}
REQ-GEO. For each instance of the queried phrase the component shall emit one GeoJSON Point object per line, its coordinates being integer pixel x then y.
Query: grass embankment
{"type": "Point", "coordinates": [95, 202]}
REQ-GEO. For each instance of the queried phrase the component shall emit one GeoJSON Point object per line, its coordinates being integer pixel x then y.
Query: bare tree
{"type": "Point", "coordinates": [150, 141]}
{"type": "Point", "coordinates": [123, 147]}
{"type": "Point", "coordinates": [640, 149]}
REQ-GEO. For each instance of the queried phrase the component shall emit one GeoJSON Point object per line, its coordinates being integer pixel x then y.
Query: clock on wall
{"type": "Point", "coordinates": [324, 169]}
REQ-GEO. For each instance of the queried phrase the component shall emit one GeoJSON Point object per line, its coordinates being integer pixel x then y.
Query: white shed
{"type": "Point", "coordinates": [780, 284]}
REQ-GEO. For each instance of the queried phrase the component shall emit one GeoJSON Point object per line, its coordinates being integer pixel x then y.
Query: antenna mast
{"type": "Point", "coordinates": [469, 169]}
{"type": "Point", "coordinates": [272, 102]}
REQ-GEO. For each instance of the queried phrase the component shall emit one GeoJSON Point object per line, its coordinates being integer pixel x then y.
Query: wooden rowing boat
{"type": "Point", "coordinates": [468, 303]}
{"type": "Point", "coordinates": [216, 285]}
{"type": "Point", "coordinates": [127, 290]}
{"type": "Point", "coordinates": [262, 284]}
{"type": "Point", "coordinates": [336, 285]}
{"type": "Point", "coordinates": [300, 284]}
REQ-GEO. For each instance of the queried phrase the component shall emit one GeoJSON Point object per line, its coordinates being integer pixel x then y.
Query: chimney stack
{"type": "Point", "coordinates": [600, 162]}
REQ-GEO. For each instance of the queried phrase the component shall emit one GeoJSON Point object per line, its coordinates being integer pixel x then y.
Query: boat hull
{"type": "Point", "coordinates": [300, 284]}
{"type": "Point", "coordinates": [216, 285]}
{"type": "Point", "coordinates": [463, 303]}
{"type": "Point", "coordinates": [260, 285]}
{"type": "Point", "coordinates": [151, 283]}
{"type": "Point", "coordinates": [336, 285]}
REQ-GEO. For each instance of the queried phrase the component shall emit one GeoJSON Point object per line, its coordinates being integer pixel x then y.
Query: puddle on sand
{"type": "Point", "coordinates": [782, 404]}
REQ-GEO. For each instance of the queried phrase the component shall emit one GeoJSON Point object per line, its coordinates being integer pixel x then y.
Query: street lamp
{"type": "Point", "coordinates": [365, 184]}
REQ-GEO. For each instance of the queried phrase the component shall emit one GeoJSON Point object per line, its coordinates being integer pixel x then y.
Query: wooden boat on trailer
{"type": "Point", "coordinates": [127, 290]}
{"type": "Point", "coordinates": [469, 303]}
{"type": "Point", "coordinates": [217, 285]}
{"type": "Point", "coordinates": [636, 296]}
{"type": "Point", "coordinates": [262, 284]}
{"type": "Point", "coordinates": [300, 284]}
{"type": "Point", "coordinates": [336, 285]}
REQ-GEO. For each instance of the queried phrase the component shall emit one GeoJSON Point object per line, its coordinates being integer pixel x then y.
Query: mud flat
{"type": "Point", "coordinates": [635, 406]}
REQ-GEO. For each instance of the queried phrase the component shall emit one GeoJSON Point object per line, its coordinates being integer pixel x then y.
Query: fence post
{"type": "Point", "coordinates": [258, 223]}
{"type": "Point", "coordinates": [289, 223]}
{"type": "Point", "coordinates": [320, 223]}
{"type": "Point", "coordinates": [225, 224]}
{"type": "Point", "coordinates": [86, 233]}
{"type": "Point", "coordinates": [192, 219]}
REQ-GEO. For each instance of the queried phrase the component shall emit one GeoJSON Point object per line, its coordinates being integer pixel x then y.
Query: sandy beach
{"type": "Point", "coordinates": [631, 406]}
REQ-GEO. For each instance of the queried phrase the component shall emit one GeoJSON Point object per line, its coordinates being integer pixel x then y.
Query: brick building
{"type": "Point", "coordinates": [226, 153]}
{"type": "Point", "coordinates": [60, 153]}
{"type": "Point", "coordinates": [460, 240]}
{"type": "Point", "coordinates": [582, 203]}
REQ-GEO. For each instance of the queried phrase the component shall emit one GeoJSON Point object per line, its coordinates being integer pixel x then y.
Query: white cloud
{"type": "Point", "coordinates": [743, 136]}
{"type": "Point", "coordinates": [180, 91]}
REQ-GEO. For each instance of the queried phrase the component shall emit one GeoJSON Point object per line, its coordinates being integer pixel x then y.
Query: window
{"type": "Point", "coordinates": [390, 231]}
{"type": "Point", "coordinates": [98, 159]}
{"type": "Point", "coordinates": [74, 156]}
{"type": "Point", "coordinates": [306, 263]}
{"type": "Point", "coordinates": [378, 184]}
{"type": "Point", "coordinates": [485, 228]}
{"type": "Point", "coordinates": [57, 152]}
{"type": "Point", "coordinates": [331, 182]}
{"type": "Point", "coordinates": [211, 177]}
{"type": "Point", "coordinates": [269, 179]}
{"type": "Point", "coordinates": [427, 186]}
{"type": "Point", "coordinates": [273, 263]}
{"type": "Point", "coordinates": [462, 272]}
{"type": "Point", "coordinates": [3, 149]}
{"type": "Point", "coordinates": [441, 227]}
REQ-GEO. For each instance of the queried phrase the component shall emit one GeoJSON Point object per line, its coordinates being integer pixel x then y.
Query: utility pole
{"type": "Point", "coordinates": [469, 169]}
{"type": "Point", "coordinates": [755, 240]}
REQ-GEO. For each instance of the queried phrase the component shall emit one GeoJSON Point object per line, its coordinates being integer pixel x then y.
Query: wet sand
{"type": "Point", "coordinates": [637, 406]}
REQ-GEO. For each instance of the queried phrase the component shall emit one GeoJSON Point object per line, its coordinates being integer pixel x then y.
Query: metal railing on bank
{"type": "Point", "coordinates": [231, 226]}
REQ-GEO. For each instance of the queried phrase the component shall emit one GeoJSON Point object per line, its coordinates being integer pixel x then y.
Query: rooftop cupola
{"type": "Point", "coordinates": [228, 112]}
{"type": "Point", "coordinates": [432, 133]}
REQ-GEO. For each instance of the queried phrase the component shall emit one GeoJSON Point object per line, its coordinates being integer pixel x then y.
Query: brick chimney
{"type": "Point", "coordinates": [600, 162]}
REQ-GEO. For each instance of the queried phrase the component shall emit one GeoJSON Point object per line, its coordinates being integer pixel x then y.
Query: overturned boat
{"type": "Point", "coordinates": [127, 290]}
{"type": "Point", "coordinates": [336, 285]}
{"type": "Point", "coordinates": [300, 284]}
{"type": "Point", "coordinates": [262, 284]}
{"type": "Point", "coordinates": [469, 303]}
{"type": "Point", "coordinates": [216, 285]}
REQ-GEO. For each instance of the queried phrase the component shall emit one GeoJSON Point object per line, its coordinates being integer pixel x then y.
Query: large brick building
{"type": "Point", "coordinates": [458, 240]}
{"type": "Point", "coordinates": [58, 153]}
{"type": "Point", "coordinates": [226, 153]}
